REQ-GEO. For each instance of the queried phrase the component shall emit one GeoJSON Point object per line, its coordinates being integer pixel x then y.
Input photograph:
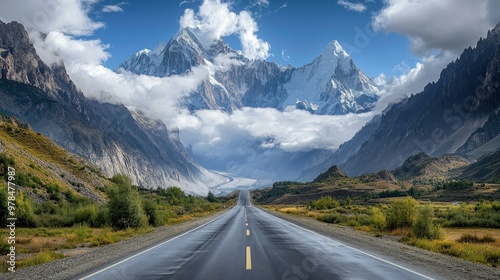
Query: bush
{"type": "Point", "coordinates": [85, 215]}
{"type": "Point", "coordinates": [403, 213]}
{"type": "Point", "coordinates": [325, 202]}
{"type": "Point", "coordinates": [379, 220]}
{"type": "Point", "coordinates": [124, 205]}
{"type": "Point", "coordinates": [151, 210]}
{"type": "Point", "coordinates": [424, 226]}
{"type": "Point", "coordinates": [332, 218]}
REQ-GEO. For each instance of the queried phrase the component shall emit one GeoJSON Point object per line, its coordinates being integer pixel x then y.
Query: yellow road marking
{"type": "Point", "coordinates": [249, 259]}
{"type": "Point", "coordinates": [248, 232]}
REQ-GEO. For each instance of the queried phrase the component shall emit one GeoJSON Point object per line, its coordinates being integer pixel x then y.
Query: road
{"type": "Point", "coordinates": [249, 243]}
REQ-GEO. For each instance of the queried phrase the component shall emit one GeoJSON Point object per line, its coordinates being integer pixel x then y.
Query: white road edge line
{"type": "Point", "coordinates": [362, 252]}
{"type": "Point", "coordinates": [149, 249]}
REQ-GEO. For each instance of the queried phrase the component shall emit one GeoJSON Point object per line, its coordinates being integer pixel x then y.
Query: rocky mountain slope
{"type": "Point", "coordinates": [43, 170]}
{"type": "Point", "coordinates": [331, 84]}
{"type": "Point", "coordinates": [422, 166]}
{"type": "Point", "coordinates": [456, 114]}
{"type": "Point", "coordinates": [485, 169]}
{"type": "Point", "coordinates": [112, 137]}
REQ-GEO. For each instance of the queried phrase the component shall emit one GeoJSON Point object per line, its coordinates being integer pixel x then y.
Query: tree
{"type": "Point", "coordinates": [379, 220]}
{"type": "Point", "coordinates": [124, 205]}
{"type": "Point", "coordinates": [151, 210]}
{"type": "Point", "coordinates": [424, 226]}
{"type": "Point", "coordinates": [211, 197]}
{"type": "Point", "coordinates": [403, 213]}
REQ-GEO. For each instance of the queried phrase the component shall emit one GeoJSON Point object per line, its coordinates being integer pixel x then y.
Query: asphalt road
{"type": "Point", "coordinates": [248, 243]}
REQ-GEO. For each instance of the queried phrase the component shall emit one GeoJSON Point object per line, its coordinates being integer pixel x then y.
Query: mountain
{"type": "Point", "coordinates": [110, 136]}
{"type": "Point", "coordinates": [331, 84]}
{"type": "Point", "coordinates": [456, 114]}
{"type": "Point", "coordinates": [44, 171]}
{"type": "Point", "coordinates": [485, 169]}
{"type": "Point", "coordinates": [333, 173]}
{"type": "Point", "coordinates": [422, 166]}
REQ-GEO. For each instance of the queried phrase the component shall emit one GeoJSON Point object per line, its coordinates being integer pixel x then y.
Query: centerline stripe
{"type": "Point", "coordinates": [249, 259]}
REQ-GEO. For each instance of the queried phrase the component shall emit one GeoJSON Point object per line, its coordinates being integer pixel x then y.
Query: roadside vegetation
{"type": "Point", "coordinates": [468, 230]}
{"type": "Point", "coordinates": [67, 222]}
{"type": "Point", "coordinates": [65, 205]}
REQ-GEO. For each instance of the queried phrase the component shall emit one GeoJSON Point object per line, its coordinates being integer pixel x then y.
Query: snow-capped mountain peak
{"type": "Point", "coordinates": [334, 48]}
{"type": "Point", "coordinates": [331, 84]}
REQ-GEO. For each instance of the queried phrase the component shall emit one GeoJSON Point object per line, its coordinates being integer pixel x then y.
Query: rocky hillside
{"type": "Point", "coordinates": [456, 114]}
{"type": "Point", "coordinates": [485, 169]}
{"type": "Point", "coordinates": [422, 166]}
{"type": "Point", "coordinates": [110, 136]}
{"type": "Point", "coordinates": [44, 170]}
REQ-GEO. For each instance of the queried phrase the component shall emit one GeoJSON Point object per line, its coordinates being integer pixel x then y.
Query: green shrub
{"type": "Point", "coordinates": [378, 217]}
{"type": "Point", "coordinates": [85, 215]}
{"type": "Point", "coordinates": [325, 202]}
{"type": "Point", "coordinates": [402, 213]}
{"type": "Point", "coordinates": [151, 210]}
{"type": "Point", "coordinates": [424, 226]}
{"type": "Point", "coordinates": [124, 205]}
{"type": "Point", "coordinates": [333, 218]}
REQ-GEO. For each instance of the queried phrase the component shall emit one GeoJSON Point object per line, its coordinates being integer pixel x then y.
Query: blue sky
{"type": "Point", "coordinates": [297, 31]}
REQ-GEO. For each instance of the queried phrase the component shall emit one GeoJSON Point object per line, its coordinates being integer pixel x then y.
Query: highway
{"type": "Point", "coordinates": [248, 243]}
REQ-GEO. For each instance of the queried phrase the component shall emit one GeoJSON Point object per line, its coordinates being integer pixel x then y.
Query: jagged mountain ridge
{"type": "Point", "coordinates": [331, 84]}
{"type": "Point", "coordinates": [110, 136]}
{"type": "Point", "coordinates": [456, 114]}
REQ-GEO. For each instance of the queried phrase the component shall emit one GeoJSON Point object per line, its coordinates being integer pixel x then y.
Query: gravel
{"type": "Point", "coordinates": [433, 264]}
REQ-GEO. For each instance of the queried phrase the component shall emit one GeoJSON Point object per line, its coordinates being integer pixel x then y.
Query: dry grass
{"type": "Point", "coordinates": [455, 234]}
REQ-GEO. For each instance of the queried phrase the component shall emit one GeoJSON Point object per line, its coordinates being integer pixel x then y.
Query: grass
{"type": "Point", "coordinates": [38, 160]}
{"type": "Point", "coordinates": [481, 253]}
{"type": "Point", "coordinates": [477, 244]}
{"type": "Point", "coordinates": [39, 245]}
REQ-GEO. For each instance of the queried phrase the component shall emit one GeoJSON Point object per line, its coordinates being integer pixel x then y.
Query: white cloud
{"type": "Point", "coordinates": [68, 17]}
{"type": "Point", "coordinates": [112, 8]}
{"type": "Point", "coordinates": [438, 32]}
{"type": "Point", "coordinates": [284, 55]}
{"type": "Point", "coordinates": [356, 7]}
{"type": "Point", "coordinates": [214, 20]}
{"type": "Point", "coordinates": [450, 25]}
{"type": "Point", "coordinates": [56, 47]}
{"type": "Point", "coordinates": [218, 134]}
{"type": "Point", "coordinates": [285, 5]}
{"type": "Point", "coordinates": [411, 81]}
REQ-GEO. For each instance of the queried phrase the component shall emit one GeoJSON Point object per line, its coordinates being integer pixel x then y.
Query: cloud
{"type": "Point", "coordinates": [438, 32]}
{"type": "Point", "coordinates": [450, 25]}
{"type": "Point", "coordinates": [68, 17]}
{"type": "Point", "coordinates": [285, 5]}
{"type": "Point", "coordinates": [411, 81]}
{"type": "Point", "coordinates": [290, 131]}
{"type": "Point", "coordinates": [284, 55]}
{"type": "Point", "coordinates": [356, 7]}
{"type": "Point", "coordinates": [214, 20]}
{"type": "Point", "coordinates": [113, 8]}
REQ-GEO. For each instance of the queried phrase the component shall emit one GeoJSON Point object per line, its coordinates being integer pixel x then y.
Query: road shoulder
{"type": "Point", "coordinates": [75, 265]}
{"type": "Point", "coordinates": [439, 265]}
